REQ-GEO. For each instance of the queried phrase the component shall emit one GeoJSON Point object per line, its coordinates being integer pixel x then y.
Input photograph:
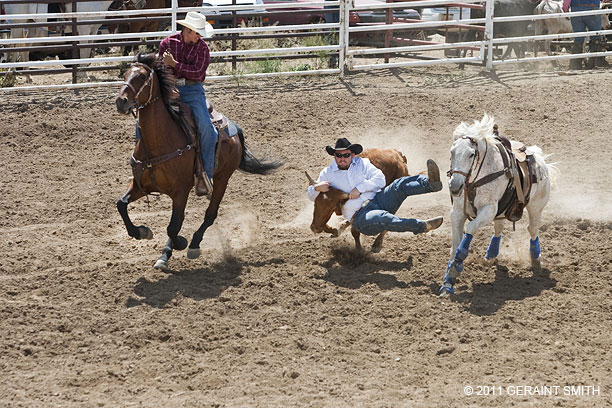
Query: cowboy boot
{"type": "Point", "coordinates": [433, 174]}
{"type": "Point", "coordinates": [433, 223]}
{"type": "Point", "coordinates": [203, 185]}
{"type": "Point", "coordinates": [598, 46]}
{"type": "Point", "coordinates": [576, 63]}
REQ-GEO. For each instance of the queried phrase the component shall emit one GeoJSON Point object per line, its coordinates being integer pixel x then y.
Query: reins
{"type": "Point", "coordinates": [139, 166]}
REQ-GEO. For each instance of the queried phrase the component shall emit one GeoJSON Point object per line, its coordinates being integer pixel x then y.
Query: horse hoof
{"type": "Point", "coordinates": [376, 249]}
{"type": "Point", "coordinates": [446, 290]}
{"type": "Point", "coordinates": [145, 232]}
{"type": "Point", "coordinates": [536, 264]}
{"type": "Point", "coordinates": [161, 265]}
{"type": "Point", "coordinates": [180, 243]}
{"type": "Point", "coordinates": [193, 253]}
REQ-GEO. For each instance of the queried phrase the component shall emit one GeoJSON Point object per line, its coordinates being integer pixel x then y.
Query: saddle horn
{"type": "Point", "coordinates": [310, 180]}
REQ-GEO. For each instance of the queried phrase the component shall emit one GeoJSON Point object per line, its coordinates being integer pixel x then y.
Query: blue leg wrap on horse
{"type": "Point", "coordinates": [455, 265]}
{"type": "Point", "coordinates": [453, 269]}
{"type": "Point", "coordinates": [534, 248]}
{"type": "Point", "coordinates": [447, 287]}
{"type": "Point", "coordinates": [464, 248]}
{"type": "Point", "coordinates": [493, 249]}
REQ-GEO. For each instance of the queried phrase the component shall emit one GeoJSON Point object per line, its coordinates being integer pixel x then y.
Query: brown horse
{"type": "Point", "coordinates": [164, 156]}
{"type": "Point", "coordinates": [393, 165]}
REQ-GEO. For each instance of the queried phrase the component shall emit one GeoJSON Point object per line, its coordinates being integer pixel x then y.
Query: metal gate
{"type": "Point", "coordinates": [461, 33]}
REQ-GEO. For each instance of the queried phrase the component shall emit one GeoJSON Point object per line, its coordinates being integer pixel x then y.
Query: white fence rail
{"type": "Point", "coordinates": [395, 51]}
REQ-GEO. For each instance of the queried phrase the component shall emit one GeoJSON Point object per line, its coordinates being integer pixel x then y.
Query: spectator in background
{"type": "Point", "coordinates": [580, 24]}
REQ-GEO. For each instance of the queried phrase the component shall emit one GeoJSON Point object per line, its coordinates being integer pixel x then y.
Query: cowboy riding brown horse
{"type": "Point", "coordinates": [164, 157]}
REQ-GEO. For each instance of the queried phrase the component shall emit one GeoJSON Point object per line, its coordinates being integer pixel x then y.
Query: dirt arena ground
{"type": "Point", "coordinates": [274, 316]}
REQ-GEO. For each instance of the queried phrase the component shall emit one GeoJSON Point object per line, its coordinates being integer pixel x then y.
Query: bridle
{"type": "Point", "coordinates": [469, 188]}
{"type": "Point", "coordinates": [473, 165]}
{"type": "Point", "coordinates": [148, 82]}
{"type": "Point", "coordinates": [138, 166]}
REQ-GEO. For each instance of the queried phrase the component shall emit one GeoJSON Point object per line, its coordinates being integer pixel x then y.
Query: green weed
{"type": "Point", "coordinates": [8, 80]}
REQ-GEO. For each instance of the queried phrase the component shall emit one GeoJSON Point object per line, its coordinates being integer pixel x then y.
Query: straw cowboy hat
{"type": "Point", "coordinates": [344, 144]}
{"type": "Point", "coordinates": [197, 22]}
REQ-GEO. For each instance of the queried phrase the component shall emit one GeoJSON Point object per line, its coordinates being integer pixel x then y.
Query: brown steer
{"type": "Point", "coordinates": [393, 165]}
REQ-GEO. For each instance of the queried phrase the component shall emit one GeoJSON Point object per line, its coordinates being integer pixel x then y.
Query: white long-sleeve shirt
{"type": "Point", "coordinates": [361, 174]}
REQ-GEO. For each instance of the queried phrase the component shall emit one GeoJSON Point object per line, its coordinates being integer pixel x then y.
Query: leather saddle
{"type": "Point", "coordinates": [224, 126]}
{"type": "Point", "coordinates": [226, 129]}
{"type": "Point", "coordinates": [523, 177]}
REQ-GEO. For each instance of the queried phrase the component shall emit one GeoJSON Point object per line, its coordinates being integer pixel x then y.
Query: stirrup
{"type": "Point", "coordinates": [207, 182]}
{"type": "Point", "coordinates": [201, 187]}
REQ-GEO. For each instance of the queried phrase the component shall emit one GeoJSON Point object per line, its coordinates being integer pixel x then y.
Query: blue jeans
{"type": "Point", "coordinates": [194, 96]}
{"type": "Point", "coordinates": [580, 24]}
{"type": "Point", "coordinates": [379, 214]}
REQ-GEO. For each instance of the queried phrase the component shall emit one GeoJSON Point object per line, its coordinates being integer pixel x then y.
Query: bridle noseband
{"type": "Point", "coordinates": [450, 172]}
{"type": "Point", "coordinates": [147, 82]}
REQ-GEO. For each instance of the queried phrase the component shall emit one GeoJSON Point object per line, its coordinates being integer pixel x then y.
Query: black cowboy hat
{"type": "Point", "coordinates": [344, 144]}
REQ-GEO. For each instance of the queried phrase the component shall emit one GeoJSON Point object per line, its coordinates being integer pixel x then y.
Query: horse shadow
{"type": "Point", "coordinates": [487, 298]}
{"type": "Point", "coordinates": [197, 284]}
{"type": "Point", "coordinates": [351, 269]}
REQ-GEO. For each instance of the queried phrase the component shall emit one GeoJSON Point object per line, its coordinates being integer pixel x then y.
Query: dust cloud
{"type": "Point", "coordinates": [572, 201]}
{"type": "Point", "coordinates": [414, 143]}
{"type": "Point", "coordinates": [572, 198]}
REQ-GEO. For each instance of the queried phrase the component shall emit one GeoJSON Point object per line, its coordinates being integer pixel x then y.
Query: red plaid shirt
{"type": "Point", "coordinates": [192, 59]}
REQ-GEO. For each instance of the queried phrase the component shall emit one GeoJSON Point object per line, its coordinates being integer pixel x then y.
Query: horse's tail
{"type": "Point", "coordinates": [251, 164]}
{"type": "Point", "coordinates": [551, 168]}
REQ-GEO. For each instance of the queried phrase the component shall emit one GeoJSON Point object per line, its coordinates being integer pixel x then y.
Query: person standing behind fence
{"type": "Point", "coordinates": [580, 24]}
{"type": "Point", "coordinates": [188, 54]}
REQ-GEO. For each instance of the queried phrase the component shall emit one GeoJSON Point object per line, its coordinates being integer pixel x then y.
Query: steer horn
{"type": "Point", "coordinates": [310, 180]}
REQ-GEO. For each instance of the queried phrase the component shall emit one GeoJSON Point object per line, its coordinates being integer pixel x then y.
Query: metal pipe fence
{"type": "Point", "coordinates": [352, 43]}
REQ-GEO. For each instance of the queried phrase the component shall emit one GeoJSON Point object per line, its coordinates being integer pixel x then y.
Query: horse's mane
{"type": "Point", "coordinates": [482, 130]}
{"type": "Point", "coordinates": [167, 82]}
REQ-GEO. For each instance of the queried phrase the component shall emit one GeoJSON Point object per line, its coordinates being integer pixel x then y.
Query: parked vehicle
{"type": "Point", "coordinates": [379, 16]}
{"type": "Point", "coordinates": [296, 14]}
{"type": "Point", "coordinates": [445, 14]}
{"type": "Point", "coordinates": [223, 18]}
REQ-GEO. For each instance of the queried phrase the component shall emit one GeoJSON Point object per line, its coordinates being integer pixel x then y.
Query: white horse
{"type": "Point", "coordinates": [556, 25]}
{"type": "Point", "coordinates": [92, 29]}
{"type": "Point", "coordinates": [475, 156]}
{"type": "Point", "coordinates": [32, 8]}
